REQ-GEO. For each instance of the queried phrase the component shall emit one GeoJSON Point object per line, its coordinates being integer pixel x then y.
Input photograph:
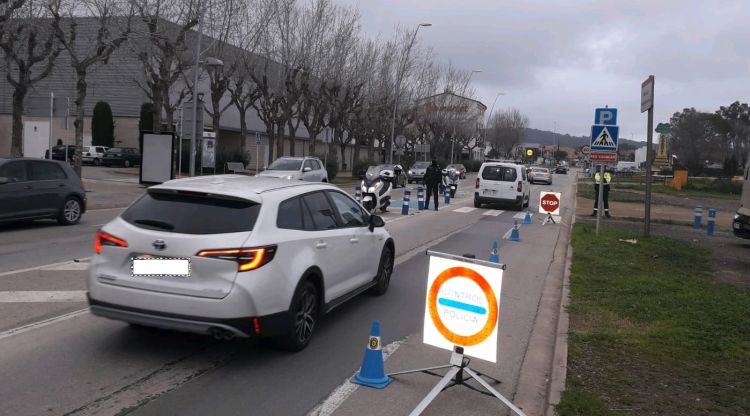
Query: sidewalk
{"type": "Point", "coordinates": [670, 213]}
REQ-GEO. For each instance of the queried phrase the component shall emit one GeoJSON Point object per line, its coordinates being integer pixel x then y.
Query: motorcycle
{"type": "Point", "coordinates": [377, 188]}
{"type": "Point", "coordinates": [453, 178]}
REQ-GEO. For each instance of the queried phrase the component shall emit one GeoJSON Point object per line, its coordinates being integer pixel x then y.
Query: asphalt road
{"type": "Point", "coordinates": [81, 364]}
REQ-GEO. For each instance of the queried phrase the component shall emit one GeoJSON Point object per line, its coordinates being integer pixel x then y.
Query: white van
{"type": "Point", "coordinates": [741, 222]}
{"type": "Point", "coordinates": [502, 183]}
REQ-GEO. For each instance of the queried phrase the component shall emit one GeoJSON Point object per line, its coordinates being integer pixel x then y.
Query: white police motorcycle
{"type": "Point", "coordinates": [377, 186]}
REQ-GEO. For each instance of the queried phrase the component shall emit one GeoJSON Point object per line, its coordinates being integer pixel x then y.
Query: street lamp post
{"type": "Point", "coordinates": [453, 139]}
{"type": "Point", "coordinates": [195, 87]}
{"type": "Point", "coordinates": [400, 75]}
{"type": "Point", "coordinates": [489, 118]}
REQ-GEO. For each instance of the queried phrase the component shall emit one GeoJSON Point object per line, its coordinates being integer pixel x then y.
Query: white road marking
{"type": "Point", "coordinates": [29, 269]}
{"type": "Point", "coordinates": [507, 235]}
{"type": "Point", "coordinates": [522, 215]}
{"type": "Point", "coordinates": [464, 210]}
{"type": "Point", "coordinates": [40, 324]}
{"type": "Point", "coordinates": [328, 406]}
{"type": "Point", "coordinates": [493, 212]}
{"type": "Point", "coordinates": [74, 265]}
{"type": "Point", "coordinates": [42, 296]}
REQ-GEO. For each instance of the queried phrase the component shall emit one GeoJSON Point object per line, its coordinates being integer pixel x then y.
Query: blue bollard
{"type": "Point", "coordinates": [698, 216]}
{"type": "Point", "coordinates": [358, 193]}
{"type": "Point", "coordinates": [405, 207]}
{"type": "Point", "coordinates": [420, 197]}
{"type": "Point", "coordinates": [447, 195]}
{"type": "Point", "coordinates": [711, 220]}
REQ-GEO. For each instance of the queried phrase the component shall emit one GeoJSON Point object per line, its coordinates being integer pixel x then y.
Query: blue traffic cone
{"type": "Point", "coordinates": [515, 235]}
{"type": "Point", "coordinates": [494, 257]}
{"type": "Point", "coordinates": [527, 218]}
{"type": "Point", "coordinates": [372, 372]}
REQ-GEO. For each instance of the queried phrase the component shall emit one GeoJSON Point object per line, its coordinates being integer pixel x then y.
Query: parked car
{"type": "Point", "coordinates": [93, 154]}
{"type": "Point", "coordinates": [461, 169]}
{"type": "Point", "coordinates": [537, 174]}
{"type": "Point", "coordinates": [502, 183]}
{"type": "Point", "coordinates": [33, 189]}
{"type": "Point", "coordinates": [309, 169]}
{"type": "Point", "coordinates": [58, 153]}
{"type": "Point", "coordinates": [400, 177]}
{"type": "Point", "coordinates": [417, 170]}
{"type": "Point", "coordinates": [561, 169]}
{"type": "Point", "coordinates": [238, 256]}
{"type": "Point", "coordinates": [125, 156]}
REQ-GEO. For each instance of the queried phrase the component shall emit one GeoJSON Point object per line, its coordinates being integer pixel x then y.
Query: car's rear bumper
{"type": "Point", "coordinates": [496, 200]}
{"type": "Point", "coordinates": [246, 327]}
{"type": "Point", "coordinates": [539, 180]}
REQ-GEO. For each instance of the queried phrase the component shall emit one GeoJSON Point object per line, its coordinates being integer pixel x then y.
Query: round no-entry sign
{"type": "Point", "coordinates": [549, 202]}
{"type": "Point", "coordinates": [462, 306]}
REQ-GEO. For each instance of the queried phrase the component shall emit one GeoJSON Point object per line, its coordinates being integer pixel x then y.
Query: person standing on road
{"type": "Point", "coordinates": [432, 179]}
{"type": "Point", "coordinates": [605, 191]}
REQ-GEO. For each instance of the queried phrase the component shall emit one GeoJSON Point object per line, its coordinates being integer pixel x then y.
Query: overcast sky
{"type": "Point", "coordinates": [556, 63]}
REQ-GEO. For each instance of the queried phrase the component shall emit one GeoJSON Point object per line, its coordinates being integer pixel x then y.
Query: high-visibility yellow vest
{"type": "Point", "coordinates": [607, 178]}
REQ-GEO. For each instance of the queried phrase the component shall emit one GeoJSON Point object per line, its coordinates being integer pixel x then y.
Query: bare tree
{"type": "Point", "coordinates": [30, 49]}
{"type": "Point", "coordinates": [162, 49]}
{"type": "Point", "coordinates": [505, 130]}
{"type": "Point", "coordinates": [106, 25]}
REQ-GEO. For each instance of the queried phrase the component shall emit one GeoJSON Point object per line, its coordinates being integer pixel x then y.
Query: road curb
{"type": "Point", "coordinates": [535, 378]}
{"type": "Point", "coordinates": [560, 354]}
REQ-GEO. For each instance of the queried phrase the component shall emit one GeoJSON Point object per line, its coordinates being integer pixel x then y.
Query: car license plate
{"type": "Point", "coordinates": [155, 266]}
{"type": "Point", "coordinates": [737, 226]}
{"type": "Point", "coordinates": [490, 192]}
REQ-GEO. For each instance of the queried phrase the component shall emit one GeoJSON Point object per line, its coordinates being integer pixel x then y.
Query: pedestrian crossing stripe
{"type": "Point", "coordinates": [493, 212]}
{"type": "Point", "coordinates": [522, 215]}
{"type": "Point", "coordinates": [464, 210]}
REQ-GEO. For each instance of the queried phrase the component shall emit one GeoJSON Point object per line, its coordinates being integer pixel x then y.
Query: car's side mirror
{"type": "Point", "coordinates": [307, 169]}
{"type": "Point", "coordinates": [4, 180]}
{"type": "Point", "coordinates": [376, 222]}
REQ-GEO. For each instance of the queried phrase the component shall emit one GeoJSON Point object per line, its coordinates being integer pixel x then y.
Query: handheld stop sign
{"type": "Point", "coordinates": [463, 305]}
{"type": "Point", "coordinates": [549, 203]}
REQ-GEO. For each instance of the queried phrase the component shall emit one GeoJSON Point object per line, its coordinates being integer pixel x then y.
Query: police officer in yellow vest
{"type": "Point", "coordinates": [605, 191]}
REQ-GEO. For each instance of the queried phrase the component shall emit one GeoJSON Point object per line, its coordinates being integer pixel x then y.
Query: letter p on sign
{"type": "Point", "coordinates": [605, 116]}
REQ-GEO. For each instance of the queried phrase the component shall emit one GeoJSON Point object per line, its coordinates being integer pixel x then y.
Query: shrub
{"type": "Point", "coordinates": [231, 156]}
{"type": "Point", "coordinates": [360, 167]}
{"type": "Point", "coordinates": [102, 125]}
{"type": "Point", "coordinates": [332, 164]}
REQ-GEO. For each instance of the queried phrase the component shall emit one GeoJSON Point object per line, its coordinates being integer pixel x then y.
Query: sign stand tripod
{"type": "Point", "coordinates": [549, 219]}
{"type": "Point", "coordinates": [455, 377]}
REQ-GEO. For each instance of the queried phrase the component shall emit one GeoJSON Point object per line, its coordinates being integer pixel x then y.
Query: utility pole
{"type": "Point", "coordinates": [196, 69]}
{"type": "Point", "coordinates": [647, 103]}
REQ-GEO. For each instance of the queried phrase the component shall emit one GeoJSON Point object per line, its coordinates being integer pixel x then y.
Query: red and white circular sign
{"type": "Point", "coordinates": [549, 202]}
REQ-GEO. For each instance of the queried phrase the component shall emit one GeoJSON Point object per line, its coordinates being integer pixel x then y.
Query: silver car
{"type": "Point", "coordinates": [417, 171]}
{"type": "Point", "coordinates": [232, 255]}
{"type": "Point", "coordinates": [537, 175]}
{"type": "Point", "coordinates": [309, 169]}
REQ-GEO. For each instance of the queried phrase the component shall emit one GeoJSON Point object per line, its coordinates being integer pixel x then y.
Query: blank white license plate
{"type": "Point", "coordinates": [490, 192]}
{"type": "Point", "coordinates": [161, 267]}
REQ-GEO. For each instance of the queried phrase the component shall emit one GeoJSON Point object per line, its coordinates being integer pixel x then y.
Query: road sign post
{"type": "Point", "coordinates": [647, 104]}
{"type": "Point", "coordinates": [604, 139]}
{"type": "Point", "coordinates": [257, 152]}
{"type": "Point", "coordinates": [461, 314]}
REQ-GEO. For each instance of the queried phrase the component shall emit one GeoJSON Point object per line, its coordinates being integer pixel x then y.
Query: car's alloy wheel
{"type": "Point", "coordinates": [385, 270]}
{"type": "Point", "coordinates": [97, 162]}
{"type": "Point", "coordinates": [71, 212]}
{"type": "Point", "coordinates": [303, 314]}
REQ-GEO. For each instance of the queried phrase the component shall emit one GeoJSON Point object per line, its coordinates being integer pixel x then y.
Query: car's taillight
{"type": "Point", "coordinates": [520, 186]}
{"type": "Point", "coordinates": [477, 183]}
{"type": "Point", "coordinates": [246, 258]}
{"type": "Point", "coordinates": [104, 239]}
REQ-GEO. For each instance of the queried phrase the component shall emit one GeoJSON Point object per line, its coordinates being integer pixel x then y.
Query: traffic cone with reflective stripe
{"type": "Point", "coordinates": [527, 218]}
{"type": "Point", "coordinates": [372, 372]}
{"type": "Point", "coordinates": [515, 235]}
{"type": "Point", "coordinates": [494, 256]}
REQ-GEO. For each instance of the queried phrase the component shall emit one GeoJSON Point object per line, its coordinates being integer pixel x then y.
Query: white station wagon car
{"type": "Point", "coordinates": [502, 183]}
{"type": "Point", "coordinates": [233, 255]}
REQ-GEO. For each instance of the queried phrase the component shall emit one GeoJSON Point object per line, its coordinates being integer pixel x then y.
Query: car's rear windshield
{"type": "Point", "coordinates": [540, 169]}
{"type": "Point", "coordinates": [421, 165]}
{"type": "Point", "coordinates": [115, 150]}
{"type": "Point", "coordinates": [192, 213]}
{"type": "Point", "coordinates": [499, 173]}
{"type": "Point", "coordinates": [285, 164]}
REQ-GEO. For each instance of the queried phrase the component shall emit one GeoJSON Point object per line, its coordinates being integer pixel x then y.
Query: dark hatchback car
{"type": "Point", "coordinates": [123, 156]}
{"type": "Point", "coordinates": [58, 152]}
{"type": "Point", "coordinates": [36, 188]}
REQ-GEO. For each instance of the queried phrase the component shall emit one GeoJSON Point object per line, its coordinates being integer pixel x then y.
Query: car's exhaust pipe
{"type": "Point", "coordinates": [220, 333]}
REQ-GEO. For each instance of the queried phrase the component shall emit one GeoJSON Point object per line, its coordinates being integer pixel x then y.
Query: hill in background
{"type": "Point", "coordinates": [566, 140]}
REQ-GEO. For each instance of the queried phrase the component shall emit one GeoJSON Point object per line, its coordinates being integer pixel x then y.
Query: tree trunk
{"type": "Point", "coordinates": [19, 95]}
{"type": "Point", "coordinates": [271, 140]}
{"type": "Point", "coordinates": [280, 139]}
{"type": "Point", "coordinates": [243, 130]}
{"type": "Point", "coordinates": [292, 137]}
{"type": "Point", "coordinates": [158, 103]}
{"type": "Point", "coordinates": [80, 101]}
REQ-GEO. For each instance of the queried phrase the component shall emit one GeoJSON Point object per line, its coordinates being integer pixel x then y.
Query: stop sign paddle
{"type": "Point", "coordinates": [549, 203]}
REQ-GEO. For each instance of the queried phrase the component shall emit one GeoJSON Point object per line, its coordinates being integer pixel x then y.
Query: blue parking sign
{"type": "Point", "coordinates": [605, 116]}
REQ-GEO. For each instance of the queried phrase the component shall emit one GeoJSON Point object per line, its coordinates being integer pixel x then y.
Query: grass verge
{"type": "Point", "coordinates": [686, 192]}
{"type": "Point", "coordinates": [346, 181]}
{"type": "Point", "coordinates": [650, 333]}
{"type": "Point", "coordinates": [586, 190]}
